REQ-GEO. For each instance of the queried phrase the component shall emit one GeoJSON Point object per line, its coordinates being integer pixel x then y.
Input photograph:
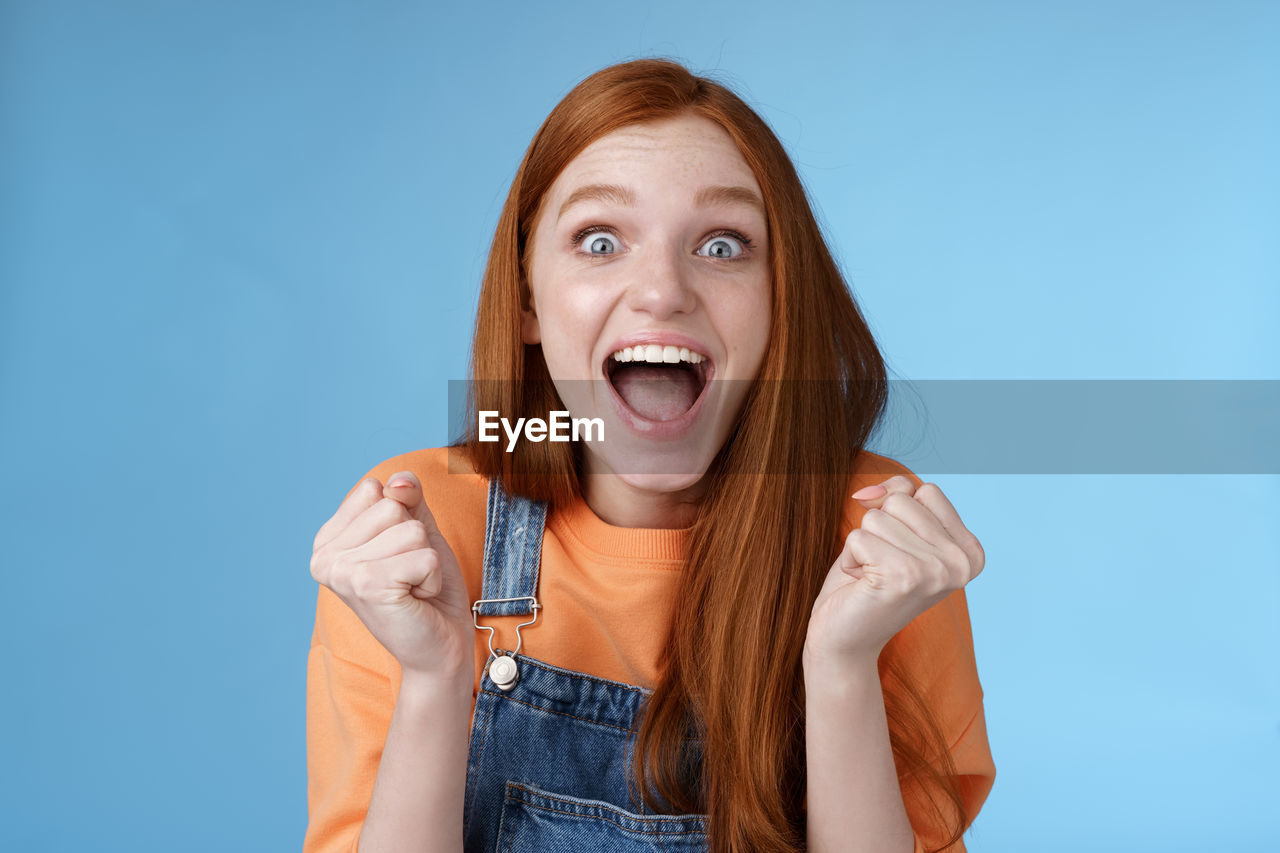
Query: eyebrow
{"type": "Point", "coordinates": [706, 197]}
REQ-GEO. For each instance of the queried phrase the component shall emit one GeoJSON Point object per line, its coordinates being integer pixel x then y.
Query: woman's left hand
{"type": "Point", "coordinates": [910, 553]}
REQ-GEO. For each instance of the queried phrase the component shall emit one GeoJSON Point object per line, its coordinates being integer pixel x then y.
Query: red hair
{"type": "Point", "coordinates": [733, 674]}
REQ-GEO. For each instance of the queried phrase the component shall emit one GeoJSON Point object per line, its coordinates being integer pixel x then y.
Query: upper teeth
{"type": "Point", "coordinates": [658, 354]}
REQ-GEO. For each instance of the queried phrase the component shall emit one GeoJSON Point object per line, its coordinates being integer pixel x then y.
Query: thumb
{"type": "Point", "coordinates": [871, 496]}
{"type": "Point", "coordinates": [403, 486]}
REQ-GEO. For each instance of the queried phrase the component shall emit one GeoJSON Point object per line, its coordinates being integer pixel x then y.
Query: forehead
{"type": "Point", "coordinates": [688, 147]}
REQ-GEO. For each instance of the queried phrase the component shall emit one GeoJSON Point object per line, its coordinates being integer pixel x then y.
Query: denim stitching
{"type": "Point", "coordinates": [546, 667]}
{"type": "Point", "coordinates": [586, 813]}
{"type": "Point", "coordinates": [551, 711]}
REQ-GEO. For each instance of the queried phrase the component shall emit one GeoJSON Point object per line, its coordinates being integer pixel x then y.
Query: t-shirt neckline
{"type": "Point", "coordinates": [660, 547]}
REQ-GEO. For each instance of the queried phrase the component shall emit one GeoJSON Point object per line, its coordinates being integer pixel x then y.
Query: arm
{"type": "Point", "coordinates": [369, 750]}
{"type": "Point", "coordinates": [386, 742]}
{"type": "Point", "coordinates": [854, 801]}
{"type": "Point", "coordinates": [903, 551]}
{"type": "Point", "coordinates": [362, 738]}
{"type": "Point", "coordinates": [417, 797]}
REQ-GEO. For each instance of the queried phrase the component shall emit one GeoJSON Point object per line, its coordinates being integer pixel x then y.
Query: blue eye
{"type": "Point", "coordinates": [601, 243]}
{"type": "Point", "coordinates": [721, 245]}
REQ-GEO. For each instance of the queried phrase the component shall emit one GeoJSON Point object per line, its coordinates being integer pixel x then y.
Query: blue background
{"type": "Point", "coordinates": [241, 245]}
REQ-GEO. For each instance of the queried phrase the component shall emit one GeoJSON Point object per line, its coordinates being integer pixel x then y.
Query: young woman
{"type": "Point", "coordinates": [721, 625]}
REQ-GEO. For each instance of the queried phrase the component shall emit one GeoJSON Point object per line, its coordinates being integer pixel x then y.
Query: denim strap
{"type": "Point", "coordinates": [512, 551]}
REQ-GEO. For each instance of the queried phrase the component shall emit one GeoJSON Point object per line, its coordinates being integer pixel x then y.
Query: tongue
{"type": "Point", "coordinates": [656, 393]}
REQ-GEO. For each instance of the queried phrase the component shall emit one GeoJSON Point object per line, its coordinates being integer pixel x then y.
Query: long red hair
{"type": "Point", "coordinates": [733, 674]}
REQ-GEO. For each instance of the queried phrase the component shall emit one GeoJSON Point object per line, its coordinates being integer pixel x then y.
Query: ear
{"type": "Point", "coordinates": [529, 330]}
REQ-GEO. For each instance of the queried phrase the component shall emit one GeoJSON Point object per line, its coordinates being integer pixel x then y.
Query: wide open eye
{"type": "Point", "coordinates": [726, 246]}
{"type": "Point", "coordinates": [598, 242]}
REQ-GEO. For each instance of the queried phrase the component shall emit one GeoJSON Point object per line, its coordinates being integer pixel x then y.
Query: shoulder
{"type": "Point", "coordinates": [871, 468]}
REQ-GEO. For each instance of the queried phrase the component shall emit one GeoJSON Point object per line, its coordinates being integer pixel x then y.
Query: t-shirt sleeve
{"type": "Point", "coordinates": [937, 649]}
{"type": "Point", "coordinates": [953, 693]}
{"type": "Point", "coordinates": [350, 700]}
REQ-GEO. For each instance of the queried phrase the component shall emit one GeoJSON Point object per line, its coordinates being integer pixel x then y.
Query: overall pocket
{"type": "Point", "coordinates": [537, 821]}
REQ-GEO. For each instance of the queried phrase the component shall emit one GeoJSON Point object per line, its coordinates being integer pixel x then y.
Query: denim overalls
{"type": "Point", "coordinates": [550, 758]}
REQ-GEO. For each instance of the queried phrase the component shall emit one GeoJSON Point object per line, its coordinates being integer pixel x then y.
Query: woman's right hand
{"type": "Point", "coordinates": [383, 555]}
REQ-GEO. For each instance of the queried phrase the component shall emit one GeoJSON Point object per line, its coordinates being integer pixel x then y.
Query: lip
{"type": "Point", "coordinates": [662, 430]}
{"type": "Point", "coordinates": [656, 337]}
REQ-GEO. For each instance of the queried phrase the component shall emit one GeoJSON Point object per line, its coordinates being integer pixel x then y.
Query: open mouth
{"type": "Point", "coordinates": [658, 383]}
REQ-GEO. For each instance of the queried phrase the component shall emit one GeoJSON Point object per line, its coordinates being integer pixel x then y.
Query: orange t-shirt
{"type": "Point", "coordinates": [608, 595]}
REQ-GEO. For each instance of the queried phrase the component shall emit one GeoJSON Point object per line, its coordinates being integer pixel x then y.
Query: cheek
{"type": "Point", "coordinates": [576, 308]}
{"type": "Point", "coordinates": [746, 333]}
{"type": "Point", "coordinates": [570, 319]}
{"type": "Point", "coordinates": [757, 322]}
{"type": "Point", "coordinates": [562, 317]}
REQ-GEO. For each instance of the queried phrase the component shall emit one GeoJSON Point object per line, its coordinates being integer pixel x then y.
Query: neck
{"type": "Point", "coordinates": [623, 504]}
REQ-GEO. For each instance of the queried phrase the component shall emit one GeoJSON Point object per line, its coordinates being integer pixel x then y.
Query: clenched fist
{"type": "Point", "coordinates": [383, 555]}
{"type": "Point", "coordinates": [910, 552]}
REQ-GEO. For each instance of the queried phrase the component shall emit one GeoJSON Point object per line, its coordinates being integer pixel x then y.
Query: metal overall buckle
{"type": "Point", "coordinates": [503, 669]}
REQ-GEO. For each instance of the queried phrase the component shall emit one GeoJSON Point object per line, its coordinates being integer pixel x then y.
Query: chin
{"type": "Point", "coordinates": [656, 472]}
{"type": "Point", "coordinates": [665, 483]}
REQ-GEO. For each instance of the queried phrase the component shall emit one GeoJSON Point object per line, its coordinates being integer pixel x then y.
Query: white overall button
{"type": "Point", "coordinates": [503, 671]}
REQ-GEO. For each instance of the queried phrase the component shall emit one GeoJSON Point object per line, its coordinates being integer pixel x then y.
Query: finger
{"type": "Point", "coordinates": [404, 487]}
{"type": "Point", "coordinates": [875, 495]}
{"type": "Point", "coordinates": [862, 551]}
{"type": "Point", "coordinates": [896, 533]}
{"type": "Point", "coordinates": [399, 482]}
{"type": "Point", "coordinates": [384, 580]}
{"type": "Point", "coordinates": [916, 516]}
{"type": "Point", "coordinates": [937, 503]}
{"type": "Point", "coordinates": [417, 571]}
{"type": "Point", "coordinates": [863, 548]}
{"type": "Point", "coordinates": [363, 495]}
{"type": "Point", "coordinates": [932, 569]}
{"type": "Point", "coordinates": [383, 515]}
{"type": "Point", "coordinates": [408, 535]}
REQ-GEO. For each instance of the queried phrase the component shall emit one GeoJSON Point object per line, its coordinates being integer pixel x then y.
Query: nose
{"type": "Point", "coordinates": [662, 285]}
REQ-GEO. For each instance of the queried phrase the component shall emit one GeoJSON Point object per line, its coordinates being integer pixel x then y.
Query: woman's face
{"type": "Point", "coordinates": [651, 296]}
